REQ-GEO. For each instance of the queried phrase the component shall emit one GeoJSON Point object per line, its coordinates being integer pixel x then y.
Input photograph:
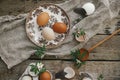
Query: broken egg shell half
{"type": "Point", "coordinates": [48, 33]}
{"type": "Point", "coordinates": [32, 73]}
{"type": "Point", "coordinates": [80, 38]}
{"type": "Point", "coordinates": [89, 8]}
{"type": "Point", "coordinates": [86, 78]}
{"type": "Point", "coordinates": [27, 77]}
{"type": "Point", "coordinates": [70, 73]}
{"type": "Point", "coordinates": [57, 79]}
{"type": "Point", "coordinates": [39, 65]}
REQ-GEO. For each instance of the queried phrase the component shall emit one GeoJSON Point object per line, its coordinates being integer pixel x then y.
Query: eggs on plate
{"type": "Point", "coordinates": [48, 32]}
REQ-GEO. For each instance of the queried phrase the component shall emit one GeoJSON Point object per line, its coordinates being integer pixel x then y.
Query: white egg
{"type": "Point", "coordinates": [89, 8]}
{"type": "Point", "coordinates": [48, 33]}
{"type": "Point", "coordinates": [40, 65]}
{"type": "Point", "coordinates": [26, 78]}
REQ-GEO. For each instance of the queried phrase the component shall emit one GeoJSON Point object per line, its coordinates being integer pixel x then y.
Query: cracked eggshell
{"type": "Point", "coordinates": [70, 72]}
{"type": "Point", "coordinates": [48, 33]}
{"type": "Point", "coordinates": [31, 73]}
{"type": "Point", "coordinates": [89, 8]}
{"type": "Point", "coordinates": [27, 77]}
{"type": "Point", "coordinates": [57, 79]}
{"type": "Point", "coordinates": [80, 38]}
{"type": "Point", "coordinates": [86, 78]}
{"type": "Point", "coordinates": [39, 65]}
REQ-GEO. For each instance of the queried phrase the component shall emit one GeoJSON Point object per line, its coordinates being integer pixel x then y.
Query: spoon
{"type": "Point", "coordinates": [83, 50]}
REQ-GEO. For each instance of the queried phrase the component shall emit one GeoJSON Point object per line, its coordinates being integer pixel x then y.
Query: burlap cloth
{"type": "Point", "coordinates": [15, 46]}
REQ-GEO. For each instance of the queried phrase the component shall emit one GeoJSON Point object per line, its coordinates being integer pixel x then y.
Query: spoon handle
{"type": "Point", "coordinates": [105, 39]}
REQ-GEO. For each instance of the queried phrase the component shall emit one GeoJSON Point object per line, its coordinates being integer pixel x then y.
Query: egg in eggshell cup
{"type": "Point", "coordinates": [47, 75]}
{"type": "Point", "coordinates": [27, 77]}
{"type": "Point", "coordinates": [36, 22]}
{"type": "Point", "coordinates": [80, 35]}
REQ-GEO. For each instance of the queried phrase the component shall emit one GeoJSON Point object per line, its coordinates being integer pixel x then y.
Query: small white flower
{"type": "Point", "coordinates": [40, 65]}
{"type": "Point", "coordinates": [78, 61]}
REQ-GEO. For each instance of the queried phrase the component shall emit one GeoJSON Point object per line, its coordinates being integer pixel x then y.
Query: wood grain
{"type": "Point", "coordinates": [105, 59]}
{"type": "Point", "coordinates": [110, 70]}
{"type": "Point", "coordinates": [109, 50]}
{"type": "Point", "coordinates": [10, 7]}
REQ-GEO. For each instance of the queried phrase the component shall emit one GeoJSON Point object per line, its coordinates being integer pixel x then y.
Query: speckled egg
{"type": "Point", "coordinates": [48, 33]}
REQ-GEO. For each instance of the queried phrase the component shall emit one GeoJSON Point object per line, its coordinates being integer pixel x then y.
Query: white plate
{"type": "Point", "coordinates": [34, 31]}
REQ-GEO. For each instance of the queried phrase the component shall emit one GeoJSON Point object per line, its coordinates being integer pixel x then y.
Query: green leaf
{"type": "Point", "coordinates": [35, 69]}
{"type": "Point", "coordinates": [82, 32]}
{"type": "Point", "coordinates": [42, 70]}
{"type": "Point", "coordinates": [75, 54]}
{"type": "Point", "coordinates": [79, 32]}
{"type": "Point", "coordinates": [40, 51]}
{"type": "Point", "coordinates": [100, 77]}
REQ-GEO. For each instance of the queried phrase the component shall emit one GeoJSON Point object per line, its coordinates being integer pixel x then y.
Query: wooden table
{"type": "Point", "coordinates": [104, 60]}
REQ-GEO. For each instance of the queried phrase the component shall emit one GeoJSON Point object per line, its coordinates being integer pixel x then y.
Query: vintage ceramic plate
{"type": "Point", "coordinates": [34, 31]}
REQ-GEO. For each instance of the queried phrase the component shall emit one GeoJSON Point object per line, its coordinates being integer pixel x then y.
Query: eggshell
{"type": "Point", "coordinates": [27, 78]}
{"type": "Point", "coordinates": [70, 72]}
{"type": "Point", "coordinates": [31, 73]}
{"type": "Point", "coordinates": [48, 33]}
{"type": "Point", "coordinates": [43, 18]}
{"type": "Point", "coordinates": [86, 78]}
{"type": "Point", "coordinates": [60, 27]}
{"type": "Point", "coordinates": [80, 38]}
{"type": "Point", "coordinates": [89, 8]}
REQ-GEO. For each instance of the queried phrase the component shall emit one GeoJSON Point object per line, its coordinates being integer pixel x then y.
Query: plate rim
{"type": "Point", "coordinates": [30, 13]}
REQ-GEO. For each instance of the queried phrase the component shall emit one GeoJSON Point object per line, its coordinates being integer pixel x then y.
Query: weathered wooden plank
{"type": "Point", "coordinates": [16, 72]}
{"type": "Point", "coordinates": [109, 50]}
{"type": "Point", "coordinates": [32, 4]}
{"type": "Point", "coordinates": [110, 70]}
{"type": "Point", "coordinates": [10, 7]}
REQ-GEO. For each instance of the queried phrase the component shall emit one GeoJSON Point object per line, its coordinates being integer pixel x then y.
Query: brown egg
{"type": "Point", "coordinates": [43, 18]}
{"type": "Point", "coordinates": [45, 76]}
{"type": "Point", "coordinates": [60, 27]}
